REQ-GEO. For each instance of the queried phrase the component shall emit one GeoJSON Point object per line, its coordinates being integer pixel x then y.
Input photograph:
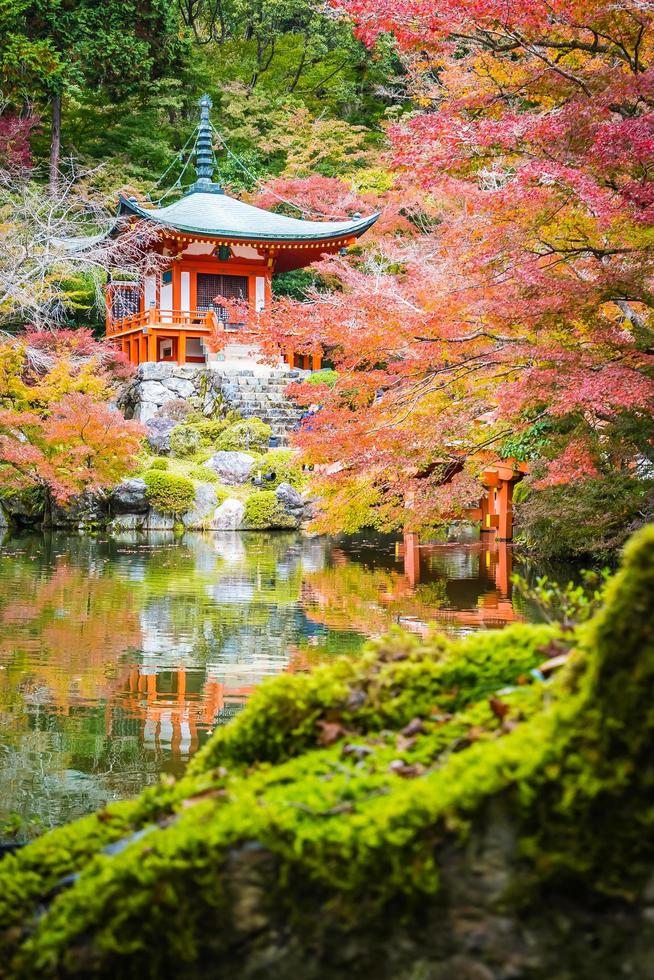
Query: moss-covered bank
{"type": "Point", "coordinates": [433, 810]}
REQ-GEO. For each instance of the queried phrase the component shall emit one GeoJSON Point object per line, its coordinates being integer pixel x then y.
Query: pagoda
{"type": "Point", "coordinates": [213, 246]}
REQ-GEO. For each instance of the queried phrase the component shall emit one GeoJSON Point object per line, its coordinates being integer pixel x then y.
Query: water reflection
{"type": "Point", "coordinates": [119, 656]}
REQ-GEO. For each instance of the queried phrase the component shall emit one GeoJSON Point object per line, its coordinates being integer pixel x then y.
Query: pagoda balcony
{"type": "Point", "coordinates": [177, 336]}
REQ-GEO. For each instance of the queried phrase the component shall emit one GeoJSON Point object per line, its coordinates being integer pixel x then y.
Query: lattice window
{"type": "Point", "coordinates": [125, 299]}
{"type": "Point", "coordinates": [211, 285]}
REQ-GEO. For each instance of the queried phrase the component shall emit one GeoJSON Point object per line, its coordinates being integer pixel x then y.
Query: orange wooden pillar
{"type": "Point", "coordinates": [412, 557]}
{"type": "Point", "coordinates": [181, 347]}
{"type": "Point", "coordinates": [152, 346]}
{"type": "Point", "coordinates": [143, 348]}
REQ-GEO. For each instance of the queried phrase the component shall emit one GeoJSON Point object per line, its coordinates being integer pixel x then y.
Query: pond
{"type": "Point", "coordinates": [119, 656]}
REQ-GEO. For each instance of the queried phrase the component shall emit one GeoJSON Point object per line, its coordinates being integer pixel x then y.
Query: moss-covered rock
{"type": "Point", "coordinates": [434, 809]}
{"type": "Point", "coordinates": [263, 510]}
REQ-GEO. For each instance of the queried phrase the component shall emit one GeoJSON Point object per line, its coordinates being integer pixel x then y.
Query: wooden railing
{"type": "Point", "coordinates": [177, 319]}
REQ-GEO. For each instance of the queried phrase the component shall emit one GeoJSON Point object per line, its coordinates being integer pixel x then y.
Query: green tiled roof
{"type": "Point", "coordinates": [210, 212]}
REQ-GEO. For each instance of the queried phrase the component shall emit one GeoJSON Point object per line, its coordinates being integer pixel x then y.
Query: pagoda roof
{"type": "Point", "coordinates": [214, 214]}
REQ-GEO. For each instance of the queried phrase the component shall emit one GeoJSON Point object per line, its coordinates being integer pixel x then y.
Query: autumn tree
{"type": "Point", "coordinates": [59, 436]}
{"type": "Point", "coordinates": [516, 316]}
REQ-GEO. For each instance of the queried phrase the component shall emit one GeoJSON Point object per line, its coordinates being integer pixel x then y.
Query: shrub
{"type": "Point", "coordinates": [179, 410]}
{"type": "Point", "coordinates": [159, 464]}
{"type": "Point", "coordinates": [249, 434]}
{"type": "Point", "coordinates": [283, 463]}
{"type": "Point", "coordinates": [191, 438]}
{"type": "Point", "coordinates": [184, 440]}
{"type": "Point", "coordinates": [263, 510]}
{"type": "Point", "coordinates": [211, 429]}
{"type": "Point", "coordinates": [169, 493]}
{"type": "Point", "coordinates": [585, 518]}
{"type": "Point", "coordinates": [324, 377]}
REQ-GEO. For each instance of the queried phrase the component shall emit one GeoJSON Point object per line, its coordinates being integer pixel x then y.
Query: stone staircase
{"type": "Point", "coordinates": [260, 393]}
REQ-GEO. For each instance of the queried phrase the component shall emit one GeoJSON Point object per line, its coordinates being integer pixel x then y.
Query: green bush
{"type": "Point", "coordinates": [250, 435]}
{"type": "Point", "coordinates": [584, 518]}
{"type": "Point", "coordinates": [263, 510]}
{"type": "Point", "coordinates": [324, 377]}
{"type": "Point", "coordinates": [191, 438]}
{"type": "Point", "coordinates": [185, 440]}
{"type": "Point", "coordinates": [168, 493]}
{"type": "Point", "coordinates": [283, 463]}
{"type": "Point", "coordinates": [159, 464]}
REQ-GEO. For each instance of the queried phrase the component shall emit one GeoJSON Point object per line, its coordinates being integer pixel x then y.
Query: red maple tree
{"type": "Point", "coordinates": [514, 315]}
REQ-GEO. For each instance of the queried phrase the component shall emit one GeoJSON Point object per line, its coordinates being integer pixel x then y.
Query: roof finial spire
{"type": "Point", "coordinates": [205, 162]}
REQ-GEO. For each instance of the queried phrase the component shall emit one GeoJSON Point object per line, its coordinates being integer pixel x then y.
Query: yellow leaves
{"type": "Point", "coordinates": [65, 378]}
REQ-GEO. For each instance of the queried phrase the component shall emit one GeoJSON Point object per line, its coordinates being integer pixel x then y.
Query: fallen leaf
{"type": "Point", "coordinates": [358, 750]}
{"type": "Point", "coordinates": [405, 744]}
{"type": "Point", "coordinates": [330, 732]}
{"type": "Point", "coordinates": [499, 708]}
{"type": "Point", "coordinates": [400, 768]}
{"type": "Point", "coordinates": [414, 727]}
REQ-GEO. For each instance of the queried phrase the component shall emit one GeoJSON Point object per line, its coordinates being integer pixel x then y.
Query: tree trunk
{"type": "Point", "coordinates": [55, 143]}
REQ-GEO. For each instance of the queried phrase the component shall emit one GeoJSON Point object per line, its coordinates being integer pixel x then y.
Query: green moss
{"type": "Point", "coordinates": [250, 435]}
{"type": "Point", "coordinates": [168, 492]}
{"type": "Point", "coordinates": [263, 510]}
{"type": "Point", "coordinates": [320, 773]}
{"type": "Point", "coordinates": [159, 464]}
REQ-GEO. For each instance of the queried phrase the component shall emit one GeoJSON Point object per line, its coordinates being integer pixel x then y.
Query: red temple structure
{"type": "Point", "coordinates": [216, 246]}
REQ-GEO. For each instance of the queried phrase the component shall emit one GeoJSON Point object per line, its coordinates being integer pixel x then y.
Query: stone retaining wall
{"type": "Point", "coordinates": [252, 392]}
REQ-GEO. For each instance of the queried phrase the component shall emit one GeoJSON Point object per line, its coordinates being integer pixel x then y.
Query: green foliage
{"type": "Point", "coordinates": [589, 517]}
{"type": "Point", "coordinates": [567, 604]}
{"type": "Point", "coordinates": [296, 284]}
{"type": "Point", "coordinates": [249, 435]}
{"type": "Point", "coordinates": [169, 493]}
{"type": "Point", "coordinates": [185, 440]}
{"type": "Point", "coordinates": [159, 464]}
{"type": "Point", "coordinates": [263, 510]}
{"type": "Point", "coordinates": [324, 377]}
{"type": "Point", "coordinates": [321, 778]}
{"type": "Point", "coordinates": [528, 444]}
{"type": "Point", "coordinates": [284, 464]}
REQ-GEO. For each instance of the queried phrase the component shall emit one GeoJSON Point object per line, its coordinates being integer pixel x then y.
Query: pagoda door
{"type": "Point", "coordinates": [210, 286]}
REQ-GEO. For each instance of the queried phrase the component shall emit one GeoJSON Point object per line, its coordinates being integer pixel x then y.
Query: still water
{"type": "Point", "coordinates": [118, 657]}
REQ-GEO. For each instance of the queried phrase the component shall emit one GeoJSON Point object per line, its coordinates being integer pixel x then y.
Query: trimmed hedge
{"type": "Point", "coordinates": [263, 510]}
{"type": "Point", "coordinates": [169, 493]}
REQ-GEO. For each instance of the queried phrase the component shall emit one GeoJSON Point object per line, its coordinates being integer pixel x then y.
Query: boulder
{"type": "Point", "coordinates": [87, 509]}
{"type": "Point", "coordinates": [203, 510]}
{"type": "Point", "coordinates": [154, 391]}
{"type": "Point", "coordinates": [127, 522]}
{"type": "Point", "coordinates": [149, 371]}
{"type": "Point", "coordinates": [156, 521]}
{"type": "Point", "coordinates": [24, 508]}
{"type": "Point", "coordinates": [229, 516]}
{"type": "Point", "coordinates": [232, 467]}
{"type": "Point", "coordinates": [158, 434]}
{"type": "Point", "coordinates": [290, 499]}
{"type": "Point", "coordinates": [129, 497]}
{"type": "Point", "coordinates": [181, 387]}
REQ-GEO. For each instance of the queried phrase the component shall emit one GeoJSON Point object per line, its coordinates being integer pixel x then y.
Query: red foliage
{"type": "Point", "coordinates": [15, 132]}
{"type": "Point", "coordinates": [532, 293]}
